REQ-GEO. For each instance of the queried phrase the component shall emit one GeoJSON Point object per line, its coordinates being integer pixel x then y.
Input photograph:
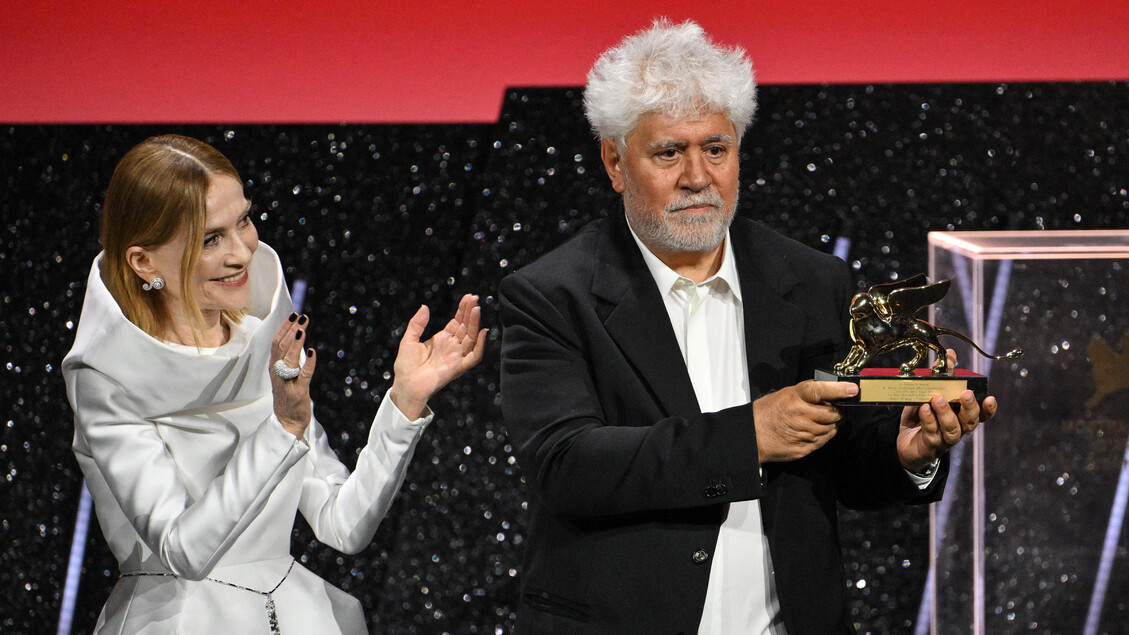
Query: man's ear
{"type": "Point", "coordinates": [141, 262]}
{"type": "Point", "coordinates": [609, 153]}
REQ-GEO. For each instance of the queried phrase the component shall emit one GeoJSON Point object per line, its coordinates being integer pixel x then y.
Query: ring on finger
{"type": "Point", "coordinates": [283, 371]}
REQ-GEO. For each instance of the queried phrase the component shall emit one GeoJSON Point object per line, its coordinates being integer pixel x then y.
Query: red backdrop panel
{"type": "Point", "coordinates": [370, 61]}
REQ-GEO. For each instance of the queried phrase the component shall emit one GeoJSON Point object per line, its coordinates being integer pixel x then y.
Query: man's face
{"type": "Point", "coordinates": [678, 178]}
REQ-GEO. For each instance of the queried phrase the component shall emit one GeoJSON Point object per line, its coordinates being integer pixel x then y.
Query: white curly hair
{"type": "Point", "coordinates": [673, 70]}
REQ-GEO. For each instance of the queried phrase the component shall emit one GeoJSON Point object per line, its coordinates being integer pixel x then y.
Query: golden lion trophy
{"type": "Point", "coordinates": [882, 320]}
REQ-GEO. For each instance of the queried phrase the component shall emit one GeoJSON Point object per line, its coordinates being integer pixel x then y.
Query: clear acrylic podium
{"type": "Point", "coordinates": [1028, 537]}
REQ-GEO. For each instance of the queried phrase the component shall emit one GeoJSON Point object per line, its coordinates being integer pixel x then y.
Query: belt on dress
{"type": "Point", "coordinates": [272, 616]}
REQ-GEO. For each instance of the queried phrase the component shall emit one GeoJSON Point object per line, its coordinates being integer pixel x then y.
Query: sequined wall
{"type": "Point", "coordinates": [378, 219]}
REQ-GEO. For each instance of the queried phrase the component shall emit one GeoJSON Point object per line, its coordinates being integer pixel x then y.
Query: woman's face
{"type": "Point", "coordinates": [230, 239]}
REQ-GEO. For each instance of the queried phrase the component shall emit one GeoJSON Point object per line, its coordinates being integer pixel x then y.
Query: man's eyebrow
{"type": "Point", "coordinates": [666, 145]}
{"type": "Point", "coordinates": [719, 138]}
{"type": "Point", "coordinates": [679, 145]}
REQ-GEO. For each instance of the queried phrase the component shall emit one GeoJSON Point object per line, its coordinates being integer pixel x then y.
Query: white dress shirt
{"type": "Point", "coordinates": [710, 326]}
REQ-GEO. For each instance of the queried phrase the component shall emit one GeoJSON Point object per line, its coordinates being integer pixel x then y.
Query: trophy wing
{"type": "Point", "coordinates": [908, 301]}
{"type": "Point", "coordinates": [882, 291]}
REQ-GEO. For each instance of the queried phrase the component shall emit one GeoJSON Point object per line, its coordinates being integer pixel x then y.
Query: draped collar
{"type": "Point", "coordinates": [160, 379]}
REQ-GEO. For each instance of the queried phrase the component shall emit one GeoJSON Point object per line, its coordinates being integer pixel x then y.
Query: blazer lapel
{"type": "Point", "coordinates": [774, 328]}
{"type": "Point", "coordinates": [635, 317]}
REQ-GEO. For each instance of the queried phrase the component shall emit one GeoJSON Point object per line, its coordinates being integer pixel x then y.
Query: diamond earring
{"type": "Point", "coordinates": [157, 284]}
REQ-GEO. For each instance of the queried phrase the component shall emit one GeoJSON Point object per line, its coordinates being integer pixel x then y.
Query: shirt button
{"type": "Point", "coordinates": [700, 556]}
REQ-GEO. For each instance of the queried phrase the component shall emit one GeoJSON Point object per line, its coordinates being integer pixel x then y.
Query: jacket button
{"type": "Point", "coordinates": [713, 490]}
{"type": "Point", "coordinates": [700, 556]}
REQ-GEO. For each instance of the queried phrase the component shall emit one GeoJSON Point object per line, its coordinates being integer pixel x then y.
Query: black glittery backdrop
{"type": "Point", "coordinates": [379, 219]}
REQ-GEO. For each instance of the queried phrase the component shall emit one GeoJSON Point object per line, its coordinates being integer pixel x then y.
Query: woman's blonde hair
{"type": "Point", "coordinates": [158, 189]}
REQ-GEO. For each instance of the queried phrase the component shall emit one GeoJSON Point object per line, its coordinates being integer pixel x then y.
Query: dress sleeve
{"type": "Point", "coordinates": [345, 509]}
{"type": "Point", "coordinates": [188, 534]}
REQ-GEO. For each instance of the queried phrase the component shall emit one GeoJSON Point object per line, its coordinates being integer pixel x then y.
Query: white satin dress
{"type": "Point", "coordinates": [196, 483]}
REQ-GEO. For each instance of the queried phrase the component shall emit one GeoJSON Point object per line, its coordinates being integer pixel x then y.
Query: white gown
{"type": "Point", "coordinates": [196, 483]}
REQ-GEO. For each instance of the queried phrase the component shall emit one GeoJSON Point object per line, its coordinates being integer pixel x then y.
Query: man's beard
{"type": "Point", "coordinates": [671, 231]}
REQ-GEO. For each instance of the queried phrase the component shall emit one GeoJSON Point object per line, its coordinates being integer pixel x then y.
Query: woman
{"type": "Point", "coordinates": [193, 422]}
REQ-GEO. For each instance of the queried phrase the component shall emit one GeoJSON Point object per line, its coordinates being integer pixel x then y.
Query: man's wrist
{"type": "Point", "coordinates": [929, 470]}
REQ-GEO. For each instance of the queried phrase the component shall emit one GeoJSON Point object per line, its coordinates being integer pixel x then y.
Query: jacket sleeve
{"type": "Point", "coordinates": [577, 462]}
{"type": "Point", "coordinates": [189, 534]}
{"type": "Point", "coordinates": [345, 509]}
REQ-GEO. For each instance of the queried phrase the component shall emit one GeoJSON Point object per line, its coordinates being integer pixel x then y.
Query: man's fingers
{"type": "Point", "coordinates": [948, 422]}
{"type": "Point", "coordinates": [969, 414]}
{"type": "Point", "coordinates": [822, 391]}
{"type": "Point", "coordinates": [825, 414]}
{"type": "Point", "coordinates": [988, 409]}
{"type": "Point", "coordinates": [814, 396]}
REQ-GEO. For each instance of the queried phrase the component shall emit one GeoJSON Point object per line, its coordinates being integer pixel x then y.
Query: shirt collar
{"type": "Point", "coordinates": [665, 277]}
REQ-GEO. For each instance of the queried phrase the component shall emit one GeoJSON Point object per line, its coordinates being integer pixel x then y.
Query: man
{"type": "Point", "coordinates": [684, 476]}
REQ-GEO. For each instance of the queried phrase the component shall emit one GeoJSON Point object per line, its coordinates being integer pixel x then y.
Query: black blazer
{"type": "Point", "coordinates": [627, 478]}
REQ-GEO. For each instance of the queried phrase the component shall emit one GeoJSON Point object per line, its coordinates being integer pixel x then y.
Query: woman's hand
{"type": "Point", "coordinates": [422, 368]}
{"type": "Point", "coordinates": [292, 396]}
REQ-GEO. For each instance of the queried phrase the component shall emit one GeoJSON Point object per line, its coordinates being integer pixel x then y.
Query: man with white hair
{"type": "Point", "coordinates": [683, 475]}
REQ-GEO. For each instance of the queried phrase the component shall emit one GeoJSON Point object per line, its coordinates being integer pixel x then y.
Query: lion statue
{"type": "Point", "coordinates": [882, 319]}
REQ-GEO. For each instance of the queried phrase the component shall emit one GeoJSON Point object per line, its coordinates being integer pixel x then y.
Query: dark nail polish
{"type": "Point", "coordinates": [298, 335]}
{"type": "Point", "coordinates": [309, 352]}
{"type": "Point", "coordinates": [302, 320]}
{"type": "Point", "coordinates": [293, 316]}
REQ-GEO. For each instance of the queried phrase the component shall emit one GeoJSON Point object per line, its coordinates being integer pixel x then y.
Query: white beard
{"type": "Point", "coordinates": [671, 231]}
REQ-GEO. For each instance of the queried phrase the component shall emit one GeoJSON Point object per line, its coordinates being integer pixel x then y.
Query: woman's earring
{"type": "Point", "coordinates": [157, 284]}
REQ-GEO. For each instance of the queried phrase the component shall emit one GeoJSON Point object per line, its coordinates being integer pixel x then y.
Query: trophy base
{"type": "Point", "coordinates": [885, 387]}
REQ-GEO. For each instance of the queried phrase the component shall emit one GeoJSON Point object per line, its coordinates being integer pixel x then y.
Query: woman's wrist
{"type": "Point", "coordinates": [297, 428]}
{"type": "Point", "coordinates": [410, 405]}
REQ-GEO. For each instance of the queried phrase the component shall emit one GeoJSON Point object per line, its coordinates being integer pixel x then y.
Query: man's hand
{"type": "Point", "coordinates": [796, 421]}
{"type": "Point", "coordinates": [932, 429]}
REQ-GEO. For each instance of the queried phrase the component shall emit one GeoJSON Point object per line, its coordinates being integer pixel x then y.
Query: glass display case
{"type": "Point", "coordinates": [1028, 537]}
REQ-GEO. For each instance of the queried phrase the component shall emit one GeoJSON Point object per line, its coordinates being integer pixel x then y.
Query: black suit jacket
{"type": "Point", "coordinates": [628, 479]}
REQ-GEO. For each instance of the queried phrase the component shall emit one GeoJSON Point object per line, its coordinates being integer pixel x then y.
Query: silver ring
{"type": "Point", "coordinates": [283, 371]}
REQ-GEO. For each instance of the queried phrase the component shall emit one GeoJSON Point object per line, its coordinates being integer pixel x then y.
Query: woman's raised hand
{"type": "Point", "coordinates": [422, 368]}
{"type": "Point", "coordinates": [292, 396]}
